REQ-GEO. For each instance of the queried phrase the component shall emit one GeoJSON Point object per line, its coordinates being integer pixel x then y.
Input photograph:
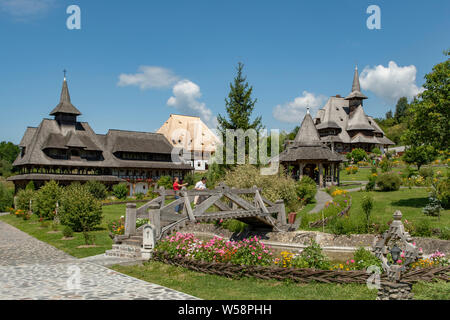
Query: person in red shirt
{"type": "Point", "coordinates": [177, 187]}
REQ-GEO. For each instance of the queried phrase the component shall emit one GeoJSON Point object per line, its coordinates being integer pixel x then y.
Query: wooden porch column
{"type": "Point", "coordinates": [320, 175]}
{"type": "Point", "coordinates": [301, 167]}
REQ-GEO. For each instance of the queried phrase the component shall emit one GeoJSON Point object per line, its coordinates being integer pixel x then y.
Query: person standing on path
{"type": "Point", "coordinates": [201, 185]}
{"type": "Point", "coordinates": [177, 187]}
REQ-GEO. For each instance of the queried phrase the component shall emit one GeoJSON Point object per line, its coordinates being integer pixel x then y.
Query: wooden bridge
{"type": "Point", "coordinates": [221, 203]}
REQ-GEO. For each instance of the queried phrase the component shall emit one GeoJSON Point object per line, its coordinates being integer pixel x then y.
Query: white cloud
{"type": "Point", "coordinates": [294, 111]}
{"type": "Point", "coordinates": [149, 77]}
{"type": "Point", "coordinates": [21, 9]}
{"type": "Point", "coordinates": [185, 98]}
{"type": "Point", "coordinates": [391, 83]}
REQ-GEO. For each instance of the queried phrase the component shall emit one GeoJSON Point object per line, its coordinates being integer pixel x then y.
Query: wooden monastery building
{"type": "Point", "coordinates": [343, 125]}
{"type": "Point", "coordinates": [339, 127]}
{"type": "Point", "coordinates": [66, 150]}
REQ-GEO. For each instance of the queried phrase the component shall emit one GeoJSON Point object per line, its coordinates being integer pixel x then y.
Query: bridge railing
{"type": "Point", "coordinates": [259, 210]}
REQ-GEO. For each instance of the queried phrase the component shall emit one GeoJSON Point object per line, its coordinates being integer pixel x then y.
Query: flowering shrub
{"type": "Point", "coordinates": [351, 170]}
{"type": "Point", "coordinates": [437, 259]}
{"type": "Point", "coordinates": [338, 192]}
{"type": "Point", "coordinates": [246, 252]}
{"type": "Point", "coordinates": [389, 181]}
{"type": "Point", "coordinates": [19, 213]}
{"type": "Point", "coordinates": [363, 164]}
{"type": "Point", "coordinates": [141, 221]}
{"type": "Point", "coordinates": [117, 227]}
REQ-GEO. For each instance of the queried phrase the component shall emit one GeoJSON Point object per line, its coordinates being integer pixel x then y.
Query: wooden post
{"type": "Point", "coordinates": [320, 175]}
{"type": "Point", "coordinates": [301, 167]}
{"type": "Point", "coordinates": [130, 219]}
{"type": "Point", "coordinates": [281, 212]}
{"type": "Point", "coordinates": [154, 215]}
{"type": "Point", "coordinates": [187, 206]}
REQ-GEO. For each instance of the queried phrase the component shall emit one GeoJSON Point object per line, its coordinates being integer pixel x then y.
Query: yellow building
{"type": "Point", "coordinates": [193, 136]}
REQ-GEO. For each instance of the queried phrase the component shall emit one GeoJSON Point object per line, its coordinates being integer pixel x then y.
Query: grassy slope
{"type": "Point", "coordinates": [212, 287]}
{"type": "Point", "coordinates": [409, 201]}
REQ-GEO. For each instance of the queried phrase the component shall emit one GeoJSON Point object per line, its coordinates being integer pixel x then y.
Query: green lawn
{"type": "Point", "coordinates": [409, 201]}
{"type": "Point", "coordinates": [364, 173]}
{"type": "Point", "coordinates": [211, 287]}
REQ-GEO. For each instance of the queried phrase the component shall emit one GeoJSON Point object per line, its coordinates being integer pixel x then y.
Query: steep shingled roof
{"type": "Point", "coordinates": [307, 134]}
{"type": "Point", "coordinates": [65, 105]}
{"type": "Point", "coordinates": [356, 88]}
{"type": "Point", "coordinates": [358, 120]}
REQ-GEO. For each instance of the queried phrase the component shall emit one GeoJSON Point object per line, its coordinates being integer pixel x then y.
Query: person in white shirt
{"type": "Point", "coordinates": [201, 185]}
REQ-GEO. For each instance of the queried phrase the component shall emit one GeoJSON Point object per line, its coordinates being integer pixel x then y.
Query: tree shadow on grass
{"type": "Point", "coordinates": [412, 202]}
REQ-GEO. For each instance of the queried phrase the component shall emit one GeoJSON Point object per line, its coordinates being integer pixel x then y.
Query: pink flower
{"type": "Point", "coordinates": [399, 261]}
{"type": "Point", "coordinates": [352, 261]}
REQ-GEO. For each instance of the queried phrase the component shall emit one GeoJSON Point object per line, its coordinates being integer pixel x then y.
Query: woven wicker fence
{"type": "Point", "coordinates": [297, 275]}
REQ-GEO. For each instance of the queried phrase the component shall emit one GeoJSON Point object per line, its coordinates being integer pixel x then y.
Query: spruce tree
{"type": "Point", "coordinates": [239, 108]}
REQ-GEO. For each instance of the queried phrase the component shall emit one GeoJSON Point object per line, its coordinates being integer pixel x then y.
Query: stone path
{"type": "Point", "coordinates": [33, 270]}
{"type": "Point", "coordinates": [321, 198]}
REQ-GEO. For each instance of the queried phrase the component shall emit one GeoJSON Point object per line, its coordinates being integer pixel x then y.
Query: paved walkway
{"type": "Point", "coordinates": [321, 198]}
{"type": "Point", "coordinates": [33, 270]}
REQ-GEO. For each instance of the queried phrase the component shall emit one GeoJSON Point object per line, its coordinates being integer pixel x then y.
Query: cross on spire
{"type": "Point", "coordinates": [65, 71]}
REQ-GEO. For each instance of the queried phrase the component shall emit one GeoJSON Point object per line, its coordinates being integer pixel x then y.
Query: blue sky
{"type": "Point", "coordinates": [133, 63]}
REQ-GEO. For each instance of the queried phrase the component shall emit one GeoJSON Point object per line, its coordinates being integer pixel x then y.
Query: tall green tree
{"type": "Point", "coordinates": [429, 115]}
{"type": "Point", "coordinates": [389, 114]}
{"type": "Point", "coordinates": [239, 108]}
{"type": "Point", "coordinates": [8, 151]}
{"type": "Point", "coordinates": [401, 109]}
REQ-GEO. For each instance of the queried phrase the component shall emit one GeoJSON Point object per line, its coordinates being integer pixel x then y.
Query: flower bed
{"type": "Point", "coordinates": [251, 258]}
{"type": "Point", "coordinates": [302, 275]}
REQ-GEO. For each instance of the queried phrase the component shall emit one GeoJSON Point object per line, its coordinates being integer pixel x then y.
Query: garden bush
{"type": "Point", "coordinates": [139, 196]}
{"type": "Point", "coordinates": [306, 189]}
{"type": "Point", "coordinates": [79, 209]}
{"type": "Point", "coordinates": [120, 191]}
{"type": "Point", "coordinates": [357, 155]}
{"type": "Point", "coordinates": [389, 181]}
{"type": "Point", "coordinates": [274, 187]}
{"type": "Point", "coordinates": [376, 151]}
{"type": "Point", "coordinates": [423, 228]}
{"type": "Point", "coordinates": [44, 202]}
{"type": "Point", "coordinates": [67, 232]}
{"type": "Point", "coordinates": [443, 191]}
{"type": "Point", "coordinates": [426, 172]}
{"type": "Point", "coordinates": [166, 182]}
{"type": "Point", "coordinates": [367, 206]}
{"type": "Point", "coordinates": [97, 189]}
{"type": "Point", "coordinates": [30, 186]}
{"type": "Point", "coordinates": [314, 256]}
{"type": "Point", "coordinates": [23, 199]}
{"type": "Point", "coordinates": [365, 258]}
{"type": "Point", "coordinates": [370, 186]}
{"type": "Point", "coordinates": [6, 198]}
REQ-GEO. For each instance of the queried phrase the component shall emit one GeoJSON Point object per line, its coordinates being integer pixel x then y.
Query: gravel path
{"type": "Point", "coordinates": [321, 198]}
{"type": "Point", "coordinates": [33, 270]}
